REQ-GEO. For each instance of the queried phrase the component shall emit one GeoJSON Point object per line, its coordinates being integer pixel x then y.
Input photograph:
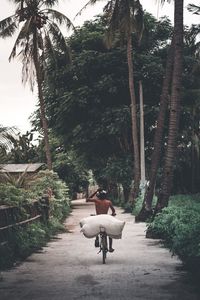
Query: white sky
{"type": "Point", "coordinates": [18, 102]}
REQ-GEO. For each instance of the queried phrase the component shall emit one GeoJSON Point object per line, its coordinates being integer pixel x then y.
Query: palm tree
{"type": "Point", "coordinates": [193, 50]}
{"type": "Point", "coordinates": [174, 64]}
{"type": "Point", "coordinates": [158, 138]}
{"type": "Point", "coordinates": [125, 17]}
{"type": "Point", "coordinates": [39, 33]}
{"type": "Point", "coordinates": [175, 107]}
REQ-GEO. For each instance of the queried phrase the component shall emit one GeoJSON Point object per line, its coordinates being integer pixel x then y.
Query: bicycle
{"type": "Point", "coordinates": [103, 244]}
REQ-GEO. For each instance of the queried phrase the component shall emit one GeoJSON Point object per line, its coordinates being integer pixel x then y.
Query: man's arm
{"type": "Point", "coordinates": [112, 208]}
{"type": "Point", "coordinates": [91, 199]}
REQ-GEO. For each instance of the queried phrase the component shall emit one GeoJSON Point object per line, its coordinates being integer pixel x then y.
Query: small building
{"type": "Point", "coordinates": [17, 169]}
{"type": "Point", "coordinates": [20, 175]}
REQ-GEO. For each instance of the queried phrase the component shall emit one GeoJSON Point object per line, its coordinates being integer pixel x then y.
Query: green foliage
{"type": "Point", "coordinates": [22, 149]}
{"type": "Point", "coordinates": [11, 195]}
{"type": "Point", "coordinates": [139, 202]}
{"type": "Point", "coordinates": [89, 102]}
{"type": "Point", "coordinates": [117, 170]}
{"type": "Point", "coordinates": [179, 226]}
{"type": "Point", "coordinates": [22, 241]}
{"type": "Point", "coordinates": [48, 182]}
{"type": "Point", "coordinates": [26, 239]}
{"type": "Point", "coordinates": [35, 33]}
{"type": "Point", "coordinates": [71, 168]}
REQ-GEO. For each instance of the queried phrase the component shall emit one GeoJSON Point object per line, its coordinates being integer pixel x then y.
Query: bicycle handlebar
{"type": "Point", "coordinates": [113, 215]}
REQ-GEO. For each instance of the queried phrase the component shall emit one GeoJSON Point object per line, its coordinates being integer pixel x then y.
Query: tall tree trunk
{"type": "Point", "coordinates": [158, 137]}
{"type": "Point", "coordinates": [42, 104]}
{"type": "Point", "coordinates": [175, 107]}
{"type": "Point", "coordinates": [142, 152]}
{"type": "Point", "coordinates": [126, 192]}
{"type": "Point", "coordinates": [133, 120]}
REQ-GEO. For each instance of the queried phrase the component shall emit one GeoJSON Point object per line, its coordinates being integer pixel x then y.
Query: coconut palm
{"type": "Point", "coordinates": [123, 18]}
{"type": "Point", "coordinates": [175, 107]}
{"type": "Point", "coordinates": [37, 23]}
{"type": "Point", "coordinates": [158, 138]}
{"type": "Point", "coordinates": [171, 85]}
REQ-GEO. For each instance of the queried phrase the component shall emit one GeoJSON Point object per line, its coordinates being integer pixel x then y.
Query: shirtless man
{"type": "Point", "coordinates": [102, 206]}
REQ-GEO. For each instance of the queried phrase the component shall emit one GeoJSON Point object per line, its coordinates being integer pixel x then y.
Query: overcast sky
{"type": "Point", "coordinates": [17, 102]}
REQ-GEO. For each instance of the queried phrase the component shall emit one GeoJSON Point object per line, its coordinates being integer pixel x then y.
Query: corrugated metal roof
{"type": "Point", "coordinates": [20, 168]}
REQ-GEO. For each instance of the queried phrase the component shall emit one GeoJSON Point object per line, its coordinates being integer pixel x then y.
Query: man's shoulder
{"type": "Point", "coordinates": [108, 201]}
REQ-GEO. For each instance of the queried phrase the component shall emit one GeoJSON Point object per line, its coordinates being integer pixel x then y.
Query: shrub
{"type": "Point", "coordinates": [22, 241]}
{"type": "Point", "coordinates": [10, 195]}
{"type": "Point", "coordinates": [179, 226]}
{"type": "Point", "coordinates": [139, 202]}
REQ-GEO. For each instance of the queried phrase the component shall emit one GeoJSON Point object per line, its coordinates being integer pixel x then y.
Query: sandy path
{"type": "Point", "coordinates": [70, 268]}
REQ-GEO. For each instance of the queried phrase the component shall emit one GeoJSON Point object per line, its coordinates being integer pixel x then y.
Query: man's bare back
{"type": "Point", "coordinates": [101, 205]}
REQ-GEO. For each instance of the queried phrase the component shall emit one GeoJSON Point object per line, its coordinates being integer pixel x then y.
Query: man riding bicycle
{"type": "Point", "coordinates": [102, 206]}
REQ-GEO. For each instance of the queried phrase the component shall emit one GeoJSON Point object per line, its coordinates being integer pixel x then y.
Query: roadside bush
{"type": "Point", "coordinates": [28, 239]}
{"type": "Point", "coordinates": [10, 195]}
{"type": "Point", "coordinates": [139, 202]}
{"type": "Point", "coordinates": [48, 182]}
{"type": "Point", "coordinates": [178, 226]}
{"type": "Point", "coordinates": [24, 240]}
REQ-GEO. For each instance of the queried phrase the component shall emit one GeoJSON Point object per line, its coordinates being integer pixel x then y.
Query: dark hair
{"type": "Point", "coordinates": [102, 194]}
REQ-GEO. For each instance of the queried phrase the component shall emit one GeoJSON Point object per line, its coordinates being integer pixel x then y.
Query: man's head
{"type": "Point", "coordinates": [101, 194]}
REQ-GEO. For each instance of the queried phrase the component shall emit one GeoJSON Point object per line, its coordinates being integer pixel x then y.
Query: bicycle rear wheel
{"type": "Point", "coordinates": [104, 247]}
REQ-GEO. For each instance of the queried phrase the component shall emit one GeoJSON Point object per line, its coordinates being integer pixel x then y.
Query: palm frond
{"type": "Point", "coordinates": [111, 11]}
{"type": "Point", "coordinates": [28, 69]}
{"type": "Point", "coordinates": [8, 26]}
{"type": "Point", "coordinates": [138, 20]}
{"type": "Point", "coordinates": [17, 1]}
{"type": "Point", "coordinates": [60, 18]}
{"type": "Point", "coordinates": [5, 136]}
{"type": "Point", "coordinates": [50, 48]}
{"type": "Point", "coordinates": [162, 2]}
{"type": "Point", "coordinates": [59, 40]}
{"type": "Point", "coordinates": [19, 181]}
{"type": "Point", "coordinates": [123, 18]}
{"type": "Point", "coordinates": [2, 156]}
{"type": "Point", "coordinates": [194, 9]}
{"type": "Point", "coordinates": [37, 17]}
{"type": "Point", "coordinates": [90, 2]}
{"type": "Point", "coordinates": [26, 56]}
{"type": "Point", "coordinates": [49, 3]}
{"type": "Point", "coordinates": [23, 35]}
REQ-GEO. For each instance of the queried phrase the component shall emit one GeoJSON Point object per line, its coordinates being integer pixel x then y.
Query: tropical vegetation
{"type": "Point", "coordinates": [38, 25]}
{"type": "Point", "coordinates": [23, 240]}
{"type": "Point", "coordinates": [93, 112]}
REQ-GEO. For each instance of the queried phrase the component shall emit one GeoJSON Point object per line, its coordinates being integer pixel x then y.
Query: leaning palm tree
{"type": "Point", "coordinates": [146, 210]}
{"type": "Point", "coordinates": [175, 108]}
{"type": "Point", "coordinates": [123, 18]}
{"type": "Point", "coordinates": [39, 34]}
{"type": "Point", "coordinates": [171, 88]}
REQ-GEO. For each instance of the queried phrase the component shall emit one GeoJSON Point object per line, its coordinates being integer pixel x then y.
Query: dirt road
{"type": "Point", "coordinates": [69, 268]}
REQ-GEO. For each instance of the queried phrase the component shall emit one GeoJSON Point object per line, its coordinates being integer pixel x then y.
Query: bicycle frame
{"type": "Point", "coordinates": [103, 244]}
